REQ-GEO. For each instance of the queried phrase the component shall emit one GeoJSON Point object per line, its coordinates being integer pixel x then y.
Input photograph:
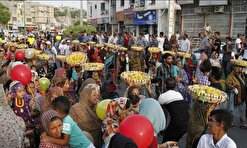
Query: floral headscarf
{"type": "Point", "coordinates": [46, 118]}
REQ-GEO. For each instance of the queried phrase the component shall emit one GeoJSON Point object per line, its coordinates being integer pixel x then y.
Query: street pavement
{"type": "Point", "coordinates": [237, 134]}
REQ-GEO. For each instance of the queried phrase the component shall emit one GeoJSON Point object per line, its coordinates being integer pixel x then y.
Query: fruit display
{"type": "Point", "coordinates": [184, 54]}
{"type": "Point", "coordinates": [37, 52]}
{"type": "Point", "coordinates": [11, 44]}
{"type": "Point", "coordinates": [136, 48]}
{"type": "Point", "coordinates": [75, 41]}
{"type": "Point", "coordinates": [92, 66]}
{"type": "Point", "coordinates": [76, 58]}
{"type": "Point", "coordinates": [110, 45]}
{"type": "Point", "coordinates": [240, 63]}
{"type": "Point", "coordinates": [61, 57]}
{"type": "Point", "coordinates": [21, 46]}
{"type": "Point", "coordinates": [83, 44]}
{"type": "Point", "coordinates": [171, 52]}
{"type": "Point", "coordinates": [153, 49]}
{"type": "Point", "coordinates": [122, 49]}
{"type": "Point", "coordinates": [44, 56]}
{"type": "Point", "coordinates": [91, 43]}
{"type": "Point", "coordinates": [207, 93]}
{"type": "Point", "coordinates": [136, 77]}
{"type": "Point", "coordinates": [99, 45]}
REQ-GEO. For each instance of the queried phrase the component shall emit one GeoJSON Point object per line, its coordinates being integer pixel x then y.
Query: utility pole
{"type": "Point", "coordinates": [25, 29]}
{"type": "Point", "coordinates": [81, 13]}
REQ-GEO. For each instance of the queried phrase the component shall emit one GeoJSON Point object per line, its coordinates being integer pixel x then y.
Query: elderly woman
{"type": "Point", "coordinates": [182, 81]}
{"type": "Point", "coordinates": [53, 126]}
{"type": "Point", "coordinates": [12, 127]}
{"type": "Point", "coordinates": [53, 92]}
{"type": "Point", "coordinates": [84, 112]}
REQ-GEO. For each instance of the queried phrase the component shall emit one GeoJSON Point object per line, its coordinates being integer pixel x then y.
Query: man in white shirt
{"type": "Point", "coordinates": [220, 121]}
{"type": "Point", "coordinates": [161, 40]}
{"type": "Point", "coordinates": [63, 47]}
{"type": "Point", "coordinates": [185, 44]}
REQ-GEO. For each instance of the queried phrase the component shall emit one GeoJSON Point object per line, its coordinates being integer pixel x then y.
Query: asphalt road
{"type": "Point", "coordinates": [237, 134]}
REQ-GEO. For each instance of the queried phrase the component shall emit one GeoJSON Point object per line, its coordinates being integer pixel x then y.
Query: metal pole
{"type": "Point", "coordinates": [25, 29]}
{"type": "Point", "coordinates": [81, 14]}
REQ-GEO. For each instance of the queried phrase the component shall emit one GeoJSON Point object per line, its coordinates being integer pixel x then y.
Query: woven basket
{"type": "Point", "coordinates": [92, 66]}
{"type": "Point", "coordinates": [207, 94]}
{"type": "Point", "coordinates": [240, 63]}
{"type": "Point", "coordinates": [76, 58]}
{"type": "Point", "coordinates": [153, 49]}
{"type": "Point", "coordinates": [143, 78]}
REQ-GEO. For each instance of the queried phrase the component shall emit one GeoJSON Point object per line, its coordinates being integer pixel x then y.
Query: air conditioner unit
{"type": "Point", "coordinates": [132, 5]}
{"type": "Point", "coordinates": [198, 10]}
{"type": "Point", "coordinates": [106, 11]}
{"type": "Point", "coordinates": [142, 4]}
{"type": "Point", "coordinates": [219, 9]}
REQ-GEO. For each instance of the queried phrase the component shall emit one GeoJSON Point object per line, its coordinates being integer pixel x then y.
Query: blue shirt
{"type": "Point", "coordinates": [77, 139]}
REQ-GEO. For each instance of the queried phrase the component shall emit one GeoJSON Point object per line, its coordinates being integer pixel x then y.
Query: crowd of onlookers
{"type": "Point", "coordinates": [60, 111]}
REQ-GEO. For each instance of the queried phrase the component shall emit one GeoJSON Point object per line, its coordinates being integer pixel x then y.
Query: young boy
{"type": "Point", "coordinates": [72, 134]}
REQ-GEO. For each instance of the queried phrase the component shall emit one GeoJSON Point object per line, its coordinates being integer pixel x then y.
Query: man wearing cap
{"type": "Point", "coordinates": [236, 83]}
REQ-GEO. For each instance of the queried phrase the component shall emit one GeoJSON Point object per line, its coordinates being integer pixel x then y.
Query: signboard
{"type": "Point", "coordinates": [212, 2]}
{"type": "Point", "coordinates": [128, 11]}
{"type": "Point", "coordinates": [182, 2]}
{"type": "Point", "coordinates": [145, 17]}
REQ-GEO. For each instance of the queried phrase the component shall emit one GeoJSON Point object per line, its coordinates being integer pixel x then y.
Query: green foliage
{"type": "Point", "coordinates": [4, 15]}
{"type": "Point", "coordinates": [77, 29]}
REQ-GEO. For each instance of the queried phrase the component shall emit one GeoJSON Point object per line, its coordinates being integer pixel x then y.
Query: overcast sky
{"type": "Point", "coordinates": [57, 3]}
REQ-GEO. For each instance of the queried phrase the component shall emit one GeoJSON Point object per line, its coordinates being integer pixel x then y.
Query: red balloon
{"type": "Point", "coordinates": [19, 55]}
{"type": "Point", "coordinates": [139, 129]}
{"type": "Point", "coordinates": [21, 73]}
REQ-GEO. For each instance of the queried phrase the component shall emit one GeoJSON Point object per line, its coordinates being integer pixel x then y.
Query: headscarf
{"type": "Point", "coordinates": [60, 72]}
{"type": "Point", "coordinates": [46, 118]}
{"type": "Point", "coordinates": [58, 80]}
{"type": "Point", "coordinates": [12, 127]}
{"type": "Point", "coordinates": [13, 87]}
{"type": "Point", "coordinates": [86, 82]}
{"type": "Point", "coordinates": [121, 141]}
{"type": "Point", "coordinates": [84, 113]}
{"type": "Point", "coordinates": [115, 113]}
{"type": "Point", "coordinates": [47, 102]}
{"type": "Point", "coordinates": [153, 111]}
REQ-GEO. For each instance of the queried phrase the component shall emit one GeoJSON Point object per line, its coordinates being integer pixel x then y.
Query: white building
{"type": "Point", "coordinates": [146, 16]}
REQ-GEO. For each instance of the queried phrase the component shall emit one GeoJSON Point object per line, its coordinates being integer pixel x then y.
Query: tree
{"type": "Point", "coordinates": [4, 15]}
{"type": "Point", "coordinates": [78, 28]}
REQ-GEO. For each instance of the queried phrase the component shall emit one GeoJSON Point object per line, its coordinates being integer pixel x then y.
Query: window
{"type": "Point", "coordinates": [29, 20]}
{"type": "Point", "coordinates": [91, 11]}
{"type": "Point", "coordinates": [132, 1]}
{"type": "Point", "coordinates": [95, 6]}
{"type": "Point", "coordinates": [102, 6]}
{"type": "Point", "coordinates": [14, 18]}
{"type": "Point", "coordinates": [122, 3]}
{"type": "Point", "coordinates": [152, 2]}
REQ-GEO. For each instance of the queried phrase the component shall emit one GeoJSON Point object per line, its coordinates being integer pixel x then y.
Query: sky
{"type": "Point", "coordinates": [57, 3]}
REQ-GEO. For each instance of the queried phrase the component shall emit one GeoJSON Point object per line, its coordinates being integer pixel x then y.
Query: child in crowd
{"type": "Point", "coordinates": [72, 134]}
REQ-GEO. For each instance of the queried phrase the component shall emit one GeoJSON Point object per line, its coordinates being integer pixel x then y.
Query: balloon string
{"type": "Point", "coordinates": [35, 99]}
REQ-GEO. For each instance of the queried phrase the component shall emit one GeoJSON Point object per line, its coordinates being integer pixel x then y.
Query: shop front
{"type": "Point", "coordinates": [145, 21]}
{"type": "Point", "coordinates": [120, 19]}
{"type": "Point", "coordinates": [128, 20]}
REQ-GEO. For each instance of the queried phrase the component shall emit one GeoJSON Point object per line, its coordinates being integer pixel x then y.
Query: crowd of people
{"type": "Point", "coordinates": [57, 108]}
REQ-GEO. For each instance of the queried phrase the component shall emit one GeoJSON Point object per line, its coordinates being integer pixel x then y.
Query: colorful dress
{"type": "Point", "coordinates": [182, 86]}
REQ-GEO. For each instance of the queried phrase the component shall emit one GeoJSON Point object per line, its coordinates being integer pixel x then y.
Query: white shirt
{"type": "Point", "coordinates": [63, 48]}
{"type": "Point", "coordinates": [170, 96]}
{"type": "Point", "coordinates": [161, 41]}
{"type": "Point", "coordinates": [206, 141]}
{"type": "Point", "coordinates": [185, 45]}
{"type": "Point", "coordinates": [238, 41]}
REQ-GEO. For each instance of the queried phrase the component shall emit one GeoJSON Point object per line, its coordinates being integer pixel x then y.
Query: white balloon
{"type": "Point", "coordinates": [29, 53]}
{"type": "Point", "coordinates": [16, 63]}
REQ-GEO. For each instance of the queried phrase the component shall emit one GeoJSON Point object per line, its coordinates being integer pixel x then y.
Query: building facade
{"type": "Point", "coordinates": [38, 16]}
{"type": "Point", "coordinates": [139, 16]}
{"type": "Point", "coordinates": [226, 16]}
